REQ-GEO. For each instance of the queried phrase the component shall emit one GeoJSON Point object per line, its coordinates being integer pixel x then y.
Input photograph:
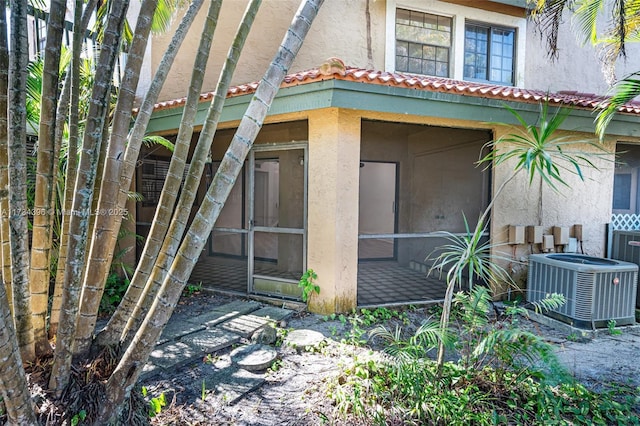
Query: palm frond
{"type": "Point", "coordinates": [619, 28]}
{"type": "Point", "coordinates": [38, 4]}
{"type": "Point", "coordinates": [547, 16]}
{"type": "Point", "coordinates": [164, 14]}
{"type": "Point", "coordinates": [35, 71]}
{"type": "Point", "coordinates": [623, 92]}
{"type": "Point", "coordinates": [539, 151]}
{"type": "Point", "coordinates": [474, 306]}
{"type": "Point", "coordinates": [152, 140]}
{"type": "Point", "coordinates": [127, 34]}
{"type": "Point", "coordinates": [134, 196]}
{"type": "Point", "coordinates": [468, 253]}
{"type": "Point", "coordinates": [552, 301]}
{"type": "Point", "coordinates": [102, 14]}
{"type": "Point", "coordinates": [519, 349]}
{"type": "Point", "coordinates": [416, 347]}
{"type": "Point", "coordinates": [585, 19]}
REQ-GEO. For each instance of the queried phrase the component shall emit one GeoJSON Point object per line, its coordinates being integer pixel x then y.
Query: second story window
{"type": "Point", "coordinates": [489, 53]}
{"type": "Point", "coordinates": [423, 43]}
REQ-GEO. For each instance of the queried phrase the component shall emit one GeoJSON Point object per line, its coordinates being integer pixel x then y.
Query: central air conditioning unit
{"type": "Point", "coordinates": [596, 290]}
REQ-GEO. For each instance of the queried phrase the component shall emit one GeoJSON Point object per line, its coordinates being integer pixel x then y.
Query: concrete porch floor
{"type": "Point", "coordinates": [379, 282]}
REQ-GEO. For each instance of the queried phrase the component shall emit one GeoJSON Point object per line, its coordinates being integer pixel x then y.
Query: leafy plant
{"type": "Point", "coordinates": [191, 289]}
{"type": "Point", "coordinates": [417, 346]}
{"type": "Point", "coordinates": [79, 417]}
{"type": "Point", "coordinates": [209, 359]}
{"type": "Point", "coordinates": [611, 327]}
{"type": "Point", "coordinates": [281, 334]}
{"type": "Point", "coordinates": [114, 291]}
{"type": "Point", "coordinates": [465, 254]}
{"type": "Point", "coordinates": [308, 285]}
{"type": "Point", "coordinates": [381, 314]}
{"type": "Point", "coordinates": [505, 348]}
{"type": "Point", "coordinates": [277, 364]}
{"type": "Point", "coordinates": [156, 405]}
{"type": "Point", "coordinates": [502, 375]}
{"type": "Point", "coordinates": [355, 335]}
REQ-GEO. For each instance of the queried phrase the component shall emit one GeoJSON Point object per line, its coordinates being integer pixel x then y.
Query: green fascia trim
{"type": "Point", "coordinates": [398, 100]}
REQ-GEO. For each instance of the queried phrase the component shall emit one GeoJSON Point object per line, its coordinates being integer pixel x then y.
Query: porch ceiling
{"type": "Point", "coordinates": [382, 92]}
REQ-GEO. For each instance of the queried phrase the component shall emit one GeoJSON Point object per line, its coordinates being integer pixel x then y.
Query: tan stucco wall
{"type": "Point", "coordinates": [578, 66]}
{"type": "Point", "coordinates": [334, 164]}
{"type": "Point", "coordinates": [339, 30]}
{"type": "Point", "coordinates": [586, 202]}
{"type": "Point", "coordinates": [444, 169]}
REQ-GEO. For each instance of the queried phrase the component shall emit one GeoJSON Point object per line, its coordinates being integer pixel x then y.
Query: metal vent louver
{"type": "Point", "coordinates": [596, 290]}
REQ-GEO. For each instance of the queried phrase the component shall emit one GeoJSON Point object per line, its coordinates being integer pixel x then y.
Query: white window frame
{"type": "Point", "coordinates": [633, 190]}
{"type": "Point", "coordinates": [460, 15]}
{"type": "Point", "coordinates": [490, 28]}
{"type": "Point", "coordinates": [430, 43]}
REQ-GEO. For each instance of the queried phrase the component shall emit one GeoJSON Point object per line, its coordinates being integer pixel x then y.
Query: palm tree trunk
{"type": "Point", "coordinates": [87, 169]}
{"type": "Point", "coordinates": [111, 224]}
{"type": "Point", "coordinates": [56, 220]}
{"type": "Point", "coordinates": [5, 248]}
{"type": "Point", "coordinates": [98, 264]}
{"type": "Point", "coordinates": [130, 366]}
{"type": "Point", "coordinates": [46, 166]}
{"type": "Point", "coordinates": [13, 382]}
{"type": "Point", "coordinates": [81, 20]}
{"type": "Point", "coordinates": [187, 196]}
{"type": "Point", "coordinates": [18, 209]}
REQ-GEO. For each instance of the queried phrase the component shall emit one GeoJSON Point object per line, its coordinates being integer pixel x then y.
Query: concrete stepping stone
{"type": "Point", "coordinates": [149, 370]}
{"type": "Point", "coordinates": [273, 313]}
{"type": "Point", "coordinates": [172, 354]}
{"type": "Point", "coordinates": [232, 383]}
{"type": "Point", "coordinates": [244, 325]}
{"type": "Point", "coordinates": [241, 306]}
{"type": "Point", "coordinates": [210, 340]}
{"type": "Point", "coordinates": [174, 330]}
{"type": "Point", "coordinates": [254, 357]}
{"type": "Point", "coordinates": [302, 339]}
{"type": "Point", "coordinates": [225, 312]}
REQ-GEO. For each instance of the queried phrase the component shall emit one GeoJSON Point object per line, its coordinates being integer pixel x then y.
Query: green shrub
{"type": "Point", "coordinates": [114, 291]}
{"type": "Point", "coordinates": [502, 375]}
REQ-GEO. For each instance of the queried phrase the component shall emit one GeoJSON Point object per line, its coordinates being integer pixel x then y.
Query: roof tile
{"type": "Point", "coordinates": [427, 83]}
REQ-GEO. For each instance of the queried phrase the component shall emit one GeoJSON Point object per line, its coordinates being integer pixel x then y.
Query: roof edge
{"type": "Point", "coordinates": [334, 69]}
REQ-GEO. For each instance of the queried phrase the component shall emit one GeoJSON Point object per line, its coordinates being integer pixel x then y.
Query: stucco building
{"type": "Point", "coordinates": [361, 163]}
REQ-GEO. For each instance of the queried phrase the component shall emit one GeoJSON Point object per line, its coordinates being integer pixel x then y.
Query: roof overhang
{"type": "Point", "coordinates": [359, 95]}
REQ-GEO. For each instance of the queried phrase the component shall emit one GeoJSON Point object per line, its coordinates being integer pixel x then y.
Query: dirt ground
{"type": "Point", "coordinates": [294, 393]}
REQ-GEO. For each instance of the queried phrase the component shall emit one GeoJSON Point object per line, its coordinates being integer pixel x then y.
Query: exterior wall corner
{"type": "Point", "coordinates": [334, 162]}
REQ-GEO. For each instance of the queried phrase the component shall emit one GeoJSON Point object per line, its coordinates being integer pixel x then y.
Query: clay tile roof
{"type": "Point", "coordinates": [334, 69]}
